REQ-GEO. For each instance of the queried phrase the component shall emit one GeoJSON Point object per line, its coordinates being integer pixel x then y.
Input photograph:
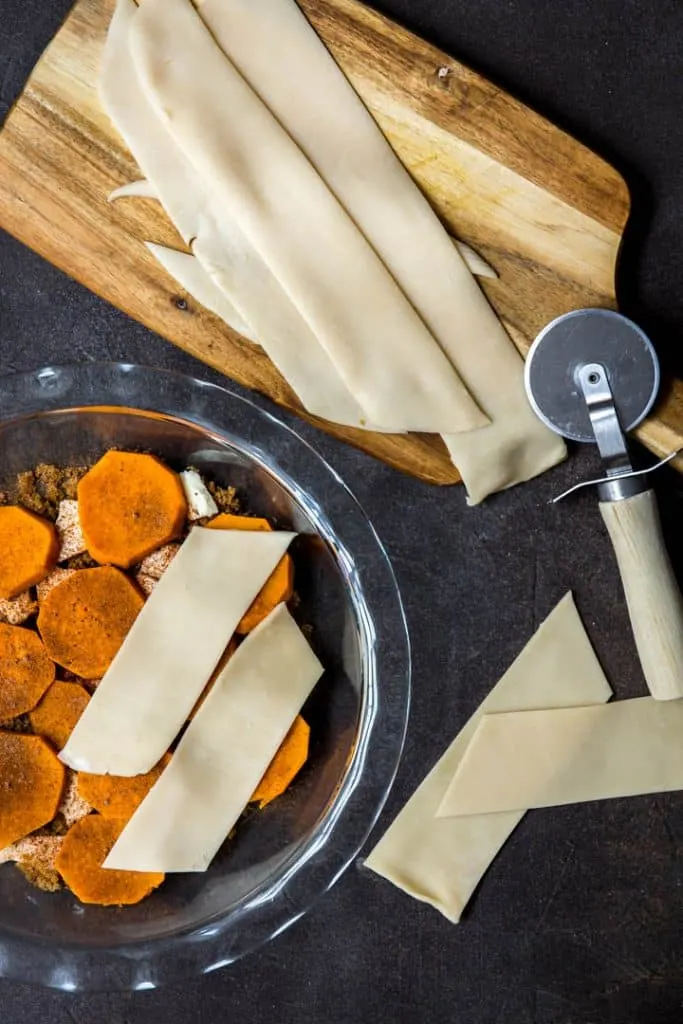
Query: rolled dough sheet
{"type": "Point", "coordinates": [381, 348]}
{"type": "Point", "coordinates": [222, 249]}
{"type": "Point", "coordinates": [224, 754]}
{"type": "Point", "coordinates": [191, 276]}
{"type": "Point", "coordinates": [350, 153]}
{"type": "Point", "coordinates": [173, 647]}
{"type": "Point", "coordinates": [475, 262]}
{"type": "Point", "coordinates": [441, 861]}
{"type": "Point", "coordinates": [548, 758]}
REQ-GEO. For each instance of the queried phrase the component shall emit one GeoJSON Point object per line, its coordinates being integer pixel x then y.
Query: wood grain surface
{"type": "Point", "coordinates": [546, 212]}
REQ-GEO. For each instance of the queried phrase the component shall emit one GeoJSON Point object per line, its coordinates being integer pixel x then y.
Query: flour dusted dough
{"type": "Point", "coordinates": [569, 756]}
{"type": "Point", "coordinates": [442, 860]}
{"type": "Point", "coordinates": [222, 249]}
{"type": "Point", "coordinates": [379, 345]}
{"type": "Point", "coordinates": [173, 647]}
{"type": "Point", "coordinates": [225, 752]}
{"type": "Point", "coordinates": [313, 100]}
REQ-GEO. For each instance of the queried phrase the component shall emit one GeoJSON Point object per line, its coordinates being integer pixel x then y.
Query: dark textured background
{"type": "Point", "coordinates": [579, 920]}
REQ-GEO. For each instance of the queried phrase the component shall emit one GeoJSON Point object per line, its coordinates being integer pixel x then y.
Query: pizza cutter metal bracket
{"type": "Point", "coordinates": [593, 376]}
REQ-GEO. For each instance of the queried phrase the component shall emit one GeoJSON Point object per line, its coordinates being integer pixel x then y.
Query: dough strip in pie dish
{"type": "Point", "coordinates": [441, 861]}
{"type": "Point", "coordinates": [569, 756]}
{"type": "Point", "coordinates": [171, 650]}
{"type": "Point", "coordinates": [381, 348]}
{"type": "Point", "coordinates": [314, 101]}
{"type": "Point", "coordinates": [221, 248]}
{"type": "Point", "coordinates": [225, 752]}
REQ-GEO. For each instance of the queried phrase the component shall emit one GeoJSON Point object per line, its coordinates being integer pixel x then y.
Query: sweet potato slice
{"type": "Point", "coordinates": [28, 549]}
{"type": "Point", "coordinates": [278, 587]}
{"type": "Point", "coordinates": [85, 619]}
{"type": "Point", "coordinates": [129, 505]}
{"type": "Point", "coordinates": [83, 851]}
{"type": "Point", "coordinates": [288, 762]}
{"type": "Point", "coordinates": [116, 797]}
{"type": "Point", "coordinates": [55, 717]}
{"type": "Point", "coordinates": [26, 671]}
{"type": "Point", "coordinates": [31, 784]}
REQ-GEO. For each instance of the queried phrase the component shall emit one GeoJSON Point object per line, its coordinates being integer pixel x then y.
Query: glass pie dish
{"type": "Point", "coordinates": [282, 858]}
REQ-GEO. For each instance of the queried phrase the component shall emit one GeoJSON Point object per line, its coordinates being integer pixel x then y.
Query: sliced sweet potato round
{"type": "Point", "coordinates": [85, 619]}
{"type": "Point", "coordinates": [31, 785]}
{"type": "Point", "coordinates": [55, 717]}
{"type": "Point", "coordinates": [287, 763]}
{"type": "Point", "coordinates": [129, 505]}
{"type": "Point", "coordinates": [79, 861]}
{"type": "Point", "coordinates": [29, 546]}
{"type": "Point", "coordinates": [116, 797]}
{"type": "Point", "coordinates": [26, 671]}
{"type": "Point", "coordinates": [279, 586]}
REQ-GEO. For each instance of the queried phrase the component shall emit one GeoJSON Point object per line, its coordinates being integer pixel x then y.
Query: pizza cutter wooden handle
{"type": "Point", "coordinates": [652, 594]}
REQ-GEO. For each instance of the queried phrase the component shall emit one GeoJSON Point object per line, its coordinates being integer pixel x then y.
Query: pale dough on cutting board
{"type": "Point", "coordinates": [569, 756]}
{"type": "Point", "coordinates": [441, 861]}
{"type": "Point", "coordinates": [171, 650]}
{"type": "Point", "coordinates": [222, 249]}
{"type": "Point", "coordinates": [225, 752]}
{"type": "Point", "coordinates": [302, 87]}
{"type": "Point", "coordinates": [141, 189]}
{"type": "Point", "coordinates": [191, 276]}
{"type": "Point", "coordinates": [474, 261]}
{"type": "Point", "coordinates": [379, 345]}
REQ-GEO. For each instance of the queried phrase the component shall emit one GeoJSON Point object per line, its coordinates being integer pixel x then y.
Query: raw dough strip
{"type": "Point", "coordinates": [220, 246]}
{"type": "Point", "coordinates": [474, 261]}
{"type": "Point", "coordinates": [548, 758]}
{"type": "Point", "coordinates": [380, 346]}
{"type": "Point", "coordinates": [224, 754]}
{"type": "Point", "coordinates": [171, 651]}
{"type": "Point", "coordinates": [348, 150]}
{"type": "Point", "coordinates": [142, 189]}
{"type": "Point", "coordinates": [191, 276]}
{"type": "Point", "coordinates": [441, 861]}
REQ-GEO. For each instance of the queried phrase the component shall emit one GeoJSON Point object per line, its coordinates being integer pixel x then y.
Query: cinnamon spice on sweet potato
{"type": "Point", "coordinates": [55, 717]}
{"type": "Point", "coordinates": [31, 785]}
{"type": "Point", "coordinates": [129, 505]}
{"type": "Point", "coordinates": [117, 797]}
{"type": "Point", "coordinates": [28, 549]}
{"type": "Point", "coordinates": [279, 586]}
{"type": "Point", "coordinates": [85, 619]}
{"type": "Point", "coordinates": [26, 671]}
{"type": "Point", "coordinates": [83, 851]}
{"type": "Point", "coordinates": [287, 763]}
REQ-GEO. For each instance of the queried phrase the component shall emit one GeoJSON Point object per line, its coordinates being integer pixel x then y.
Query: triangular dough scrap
{"type": "Point", "coordinates": [441, 861]}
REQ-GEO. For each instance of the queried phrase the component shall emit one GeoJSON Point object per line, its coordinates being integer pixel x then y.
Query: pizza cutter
{"type": "Point", "coordinates": [592, 376]}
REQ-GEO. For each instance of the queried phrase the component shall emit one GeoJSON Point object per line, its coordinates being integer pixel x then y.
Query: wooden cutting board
{"type": "Point", "coordinates": [546, 212]}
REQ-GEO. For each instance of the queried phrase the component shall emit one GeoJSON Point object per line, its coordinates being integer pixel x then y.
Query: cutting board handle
{"type": "Point", "coordinates": [654, 600]}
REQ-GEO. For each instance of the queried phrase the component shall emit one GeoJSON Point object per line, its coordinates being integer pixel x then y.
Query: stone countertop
{"type": "Point", "coordinates": [578, 919]}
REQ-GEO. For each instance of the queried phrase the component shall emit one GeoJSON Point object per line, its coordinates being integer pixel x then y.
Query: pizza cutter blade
{"type": "Point", "coordinates": [593, 376]}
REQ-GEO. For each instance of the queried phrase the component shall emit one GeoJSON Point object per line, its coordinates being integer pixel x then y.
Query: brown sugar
{"type": "Point", "coordinates": [41, 489]}
{"type": "Point", "coordinates": [225, 497]}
